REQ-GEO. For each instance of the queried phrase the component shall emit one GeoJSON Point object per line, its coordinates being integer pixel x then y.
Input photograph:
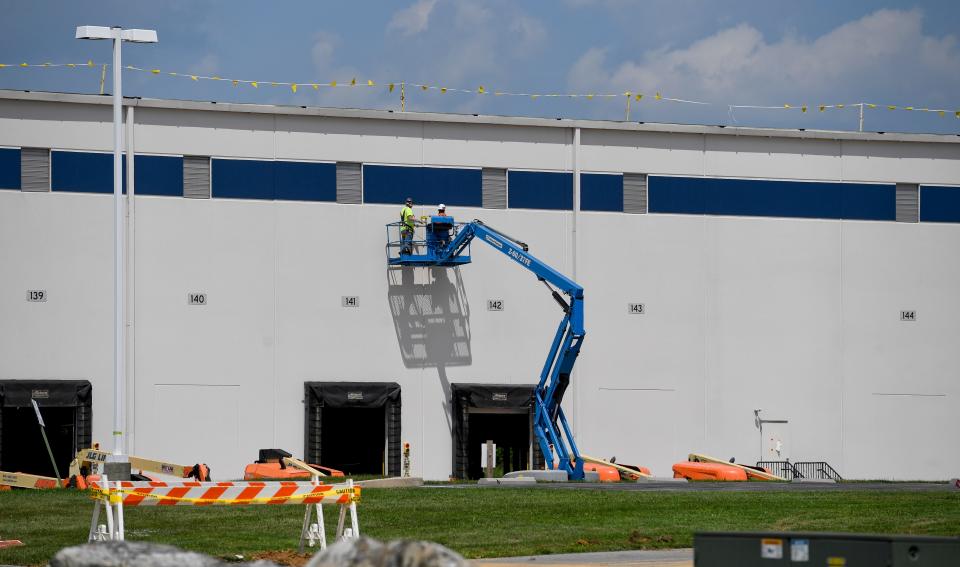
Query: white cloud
{"type": "Point", "coordinates": [470, 15]}
{"type": "Point", "coordinates": [529, 31]}
{"type": "Point", "coordinates": [738, 65]}
{"type": "Point", "coordinates": [414, 18]}
{"type": "Point", "coordinates": [324, 44]}
{"type": "Point", "coordinates": [206, 66]}
{"type": "Point", "coordinates": [329, 65]}
{"type": "Point", "coordinates": [472, 44]}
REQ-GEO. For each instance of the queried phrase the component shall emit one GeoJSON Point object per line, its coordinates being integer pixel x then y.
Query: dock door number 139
{"type": "Point", "coordinates": [36, 295]}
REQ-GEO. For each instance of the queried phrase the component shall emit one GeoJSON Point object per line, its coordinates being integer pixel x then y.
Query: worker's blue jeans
{"type": "Point", "coordinates": [406, 241]}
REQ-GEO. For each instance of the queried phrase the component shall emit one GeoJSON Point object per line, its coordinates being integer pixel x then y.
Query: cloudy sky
{"type": "Point", "coordinates": [726, 53]}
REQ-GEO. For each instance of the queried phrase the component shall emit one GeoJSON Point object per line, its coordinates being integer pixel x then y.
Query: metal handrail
{"type": "Point", "coordinates": [786, 469]}
{"type": "Point", "coordinates": [801, 469]}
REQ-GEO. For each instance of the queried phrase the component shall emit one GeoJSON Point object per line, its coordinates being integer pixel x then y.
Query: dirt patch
{"type": "Point", "coordinates": [291, 558]}
{"type": "Point", "coordinates": [643, 540]}
{"type": "Point", "coordinates": [785, 525]}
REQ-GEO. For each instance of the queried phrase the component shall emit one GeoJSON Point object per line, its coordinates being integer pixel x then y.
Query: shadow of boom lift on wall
{"type": "Point", "coordinates": [431, 316]}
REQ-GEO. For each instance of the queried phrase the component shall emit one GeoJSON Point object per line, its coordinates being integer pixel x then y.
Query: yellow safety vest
{"type": "Point", "coordinates": [407, 218]}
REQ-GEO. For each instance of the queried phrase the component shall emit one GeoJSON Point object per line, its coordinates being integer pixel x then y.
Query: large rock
{"type": "Point", "coordinates": [366, 552]}
{"type": "Point", "coordinates": [130, 554]}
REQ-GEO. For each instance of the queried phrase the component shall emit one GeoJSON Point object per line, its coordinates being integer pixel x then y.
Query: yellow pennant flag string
{"type": "Point", "coordinates": [51, 65]}
{"type": "Point", "coordinates": [482, 90]}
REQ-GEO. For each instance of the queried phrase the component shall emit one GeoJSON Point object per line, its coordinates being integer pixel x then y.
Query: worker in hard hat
{"type": "Point", "coordinates": [408, 221]}
{"type": "Point", "coordinates": [442, 234]}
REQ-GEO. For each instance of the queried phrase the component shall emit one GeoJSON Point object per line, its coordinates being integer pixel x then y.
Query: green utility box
{"type": "Point", "coordinates": [771, 549]}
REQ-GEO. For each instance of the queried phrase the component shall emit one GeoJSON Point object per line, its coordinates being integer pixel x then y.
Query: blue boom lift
{"type": "Point", "coordinates": [447, 244]}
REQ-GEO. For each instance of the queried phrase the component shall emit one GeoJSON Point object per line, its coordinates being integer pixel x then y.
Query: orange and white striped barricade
{"type": "Point", "coordinates": [114, 496]}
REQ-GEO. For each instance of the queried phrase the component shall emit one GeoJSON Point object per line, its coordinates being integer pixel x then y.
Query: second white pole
{"type": "Point", "coordinates": [118, 322]}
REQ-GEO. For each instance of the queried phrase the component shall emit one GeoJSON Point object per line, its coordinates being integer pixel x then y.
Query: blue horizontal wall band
{"type": "Point", "coordinates": [305, 181]}
{"type": "Point", "coordinates": [792, 199]}
{"type": "Point", "coordinates": [867, 201]}
{"type": "Point", "coordinates": [286, 180]}
{"type": "Point", "coordinates": [391, 184]}
{"type": "Point", "coordinates": [601, 192]}
{"type": "Point", "coordinates": [9, 168]}
{"type": "Point", "coordinates": [87, 172]}
{"type": "Point", "coordinates": [540, 190]}
{"type": "Point", "coordinates": [158, 175]}
{"type": "Point", "coordinates": [939, 204]}
{"type": "Point", "coordinates": [242, 179]}
{"type": "Point", "coordinates": [91, 172]}
{"type": "Point", "coordinates": [83, 172]}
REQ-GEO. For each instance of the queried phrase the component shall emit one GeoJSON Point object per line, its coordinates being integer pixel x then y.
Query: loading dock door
{"type": "Point", "coordinates": [500, 413]}
{"type": "Point", "coordinates": [353, 426]}
{"type": "Point", "coordinates": [66, 407]}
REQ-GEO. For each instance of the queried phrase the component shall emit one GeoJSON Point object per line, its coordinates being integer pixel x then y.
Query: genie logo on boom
{"type": "Point", "coordinates": [519, 257]}
{"type": "Point", "coordinates": [493, 241]}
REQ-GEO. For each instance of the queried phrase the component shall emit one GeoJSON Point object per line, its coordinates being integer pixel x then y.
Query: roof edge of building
{"type": "Point", "coordinates": [473, 119]}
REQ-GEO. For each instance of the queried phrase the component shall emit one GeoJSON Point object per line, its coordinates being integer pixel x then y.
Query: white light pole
{"type": "Point", "coordinates": [118, 35]}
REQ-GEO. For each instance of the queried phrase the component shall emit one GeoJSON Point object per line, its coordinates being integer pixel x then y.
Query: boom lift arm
{"type": "Point", "coordinates": [550, 424]}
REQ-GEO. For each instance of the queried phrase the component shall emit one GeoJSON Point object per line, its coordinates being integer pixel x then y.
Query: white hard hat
{"type": "Point", "coordinates": [442, 207]}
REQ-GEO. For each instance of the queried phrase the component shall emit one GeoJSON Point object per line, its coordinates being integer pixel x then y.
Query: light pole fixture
{"type": "Point", "coordinates": [758, 423]}
{"type": "Point", "coordinates": [118, 35]}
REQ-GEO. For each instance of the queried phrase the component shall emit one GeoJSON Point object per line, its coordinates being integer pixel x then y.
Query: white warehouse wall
{"type": "Point", "coordinates": [798, 317]}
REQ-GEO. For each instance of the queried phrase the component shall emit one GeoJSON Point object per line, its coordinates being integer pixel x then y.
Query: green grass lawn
{"type": "Point", "coordinates": [486, 522]}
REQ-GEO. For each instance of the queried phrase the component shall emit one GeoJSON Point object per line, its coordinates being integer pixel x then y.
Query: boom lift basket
{"type": "Point", "coordinates": [427, 244]}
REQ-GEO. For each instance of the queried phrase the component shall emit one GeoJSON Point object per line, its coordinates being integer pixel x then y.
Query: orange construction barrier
{"type": "Point", "coordinates": [113, 497]}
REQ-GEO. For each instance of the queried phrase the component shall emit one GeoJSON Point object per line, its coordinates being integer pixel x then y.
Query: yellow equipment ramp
{"type": "Point", "coordinates": [136, 464]}
{"type": "Point", "coordinates": [24, 480]}
{"type": "Point", "coordinates": [624, 470]}
{"type": "Point", "coordinates": [698, 458]}
{"type": "Point", "coordinates": [298, 464]}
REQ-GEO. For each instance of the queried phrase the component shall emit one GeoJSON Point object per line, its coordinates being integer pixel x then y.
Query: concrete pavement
{"type": "Point", "coordinates": [639, 558]}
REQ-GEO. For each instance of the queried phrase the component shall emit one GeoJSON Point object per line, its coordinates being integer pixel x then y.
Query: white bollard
{"type": "Point", "coordinates": [119, 536]}
{"type": "Point", "coordinates": [108, 507]}
{"type": "Point", "coordinates": [354, 523]}
{"type": "Point", "coordinates": [313, 534]}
